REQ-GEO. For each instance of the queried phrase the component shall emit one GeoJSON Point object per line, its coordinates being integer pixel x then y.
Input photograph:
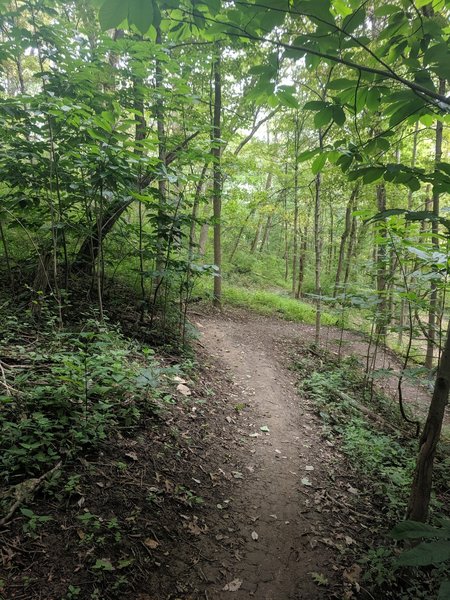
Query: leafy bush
{"type": "Point", "coordinates": [69, 389]}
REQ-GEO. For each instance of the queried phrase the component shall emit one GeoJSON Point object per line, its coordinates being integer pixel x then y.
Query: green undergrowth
{"type": "Point", "coordinates": [383, 460]}
{"type": "Point", "coordinates": [65, 391]}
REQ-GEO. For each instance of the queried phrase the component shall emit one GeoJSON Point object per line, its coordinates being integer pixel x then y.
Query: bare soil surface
{"type": "Point", "coordinates": [232, 493]}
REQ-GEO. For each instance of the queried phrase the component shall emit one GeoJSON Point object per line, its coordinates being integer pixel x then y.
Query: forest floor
{"type": "Point", "coordinates": [234, 493]}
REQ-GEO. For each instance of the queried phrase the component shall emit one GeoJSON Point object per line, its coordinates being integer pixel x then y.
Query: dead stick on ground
{"type": "Point", "coordinates": [25, 490]}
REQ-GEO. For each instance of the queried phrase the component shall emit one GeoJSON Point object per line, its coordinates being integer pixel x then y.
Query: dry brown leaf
{"type": "Point", "coordinates": [233, 586]}
{"type": "Point", "coordinates": [150, 543]}
{"type": "Point", "coordinates": [183, 389]}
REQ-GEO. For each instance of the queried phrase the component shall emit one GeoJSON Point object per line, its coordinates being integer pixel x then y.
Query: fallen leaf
{"type": "Point", "coordinates": [183, 389]}
{"type": "Point", "coordinates": [349, 541]}
{"type": "Point", "coordinates": [319, 578]}
{"type": "Point", "coordinates": [152, 544]}
{"type": "Point", "coordinates": [131, 455]}
{"type": "Point", "coordinates": [352, 574]}
{"type": "Point", "coordinates": [306, 481]}
{"type": "Point", "coordinates": [237, 475]}
{"type": "Point", "coordinates": [177, 379]}
{"type": "Point", "coordinates": [265, 429]}
{"type": "Point", "coordinates": [233, 586]}
{"type": "Point", "coordinates": [255, 536]}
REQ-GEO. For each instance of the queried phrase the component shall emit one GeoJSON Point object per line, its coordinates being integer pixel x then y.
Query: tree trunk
{"type": "Point", "coordinates": [350, 252]}
{"type": "Point", "coordinates": [344, 238]}
{"type": "Point", "coordinates": [295, 234]}
{"type": "Point", "coordinates": [203, 239]}
{"type": "Point", "coordinates": [422, 482]}
{"type": "Point", "coordinates": [257, 236]}
{"type": "Point", "coordinates": [381, 263]}
{"type": "Point", "coordinates": [217, 177]}
{"type": "Point", "coordinates": [266, 233]}
{"type": "Point", "coordinates": [318, 248]}
{"type": "Point", "coordinates": [195, 205]}
{"type": "Point", "coordinates": [162, 152]}
{"type": "Point", "coordinates": [301, 264]}
{"type": "Point", "coordinates": [239, 235]}
{"type": "Point", "coordinates": [432, 314]}
{"type": "Point", "coordinates": [89, 248]}
{"type": "Point", "coordinates": [401, 321]}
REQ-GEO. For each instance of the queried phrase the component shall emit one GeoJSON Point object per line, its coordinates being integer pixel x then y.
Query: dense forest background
{"type": "Point", "coordinates": [287, 156]}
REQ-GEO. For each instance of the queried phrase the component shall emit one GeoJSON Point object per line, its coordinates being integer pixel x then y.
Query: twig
{"type": "Point", "coordinates": [5, 382]}
{"type": "Point", "coordinates": [26, 489]}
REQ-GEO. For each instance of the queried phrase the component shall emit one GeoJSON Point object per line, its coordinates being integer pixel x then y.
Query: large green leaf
{"type": "Point", "coordinates": [444, 591]}
{"type": "Point", "coordinates": [405, 111]}
{"type": "Point", "coordinates": [140, 14]}
{"type": "Point", "coordinates": [355, 20]}
{"type": "Point", "coordinates": [338, 115]}
{"type": "Point", "coordinates": [112, 13]}
{"type": "Point", "coordinates": [426, 553]}
{"type": "Point", "coordinates": [323, 117]}
{"type": "Point", "coordinates": [412, 530]}
{"type": "Point", "coordinates": [318, 163]}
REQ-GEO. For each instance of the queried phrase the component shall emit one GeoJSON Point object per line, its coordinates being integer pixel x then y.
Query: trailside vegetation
{"type": "Point", "coordinates": [290, 156]}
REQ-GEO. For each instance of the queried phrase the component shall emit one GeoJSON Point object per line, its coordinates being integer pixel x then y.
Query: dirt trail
{"type": "Point", "coordinates": [273, 503]}
{"type": "Point", "coordinates": [295, 488]}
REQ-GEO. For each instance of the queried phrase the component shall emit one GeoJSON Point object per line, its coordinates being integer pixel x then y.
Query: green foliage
{"type": "Point", "coordinates": [425, 553]}
{"type": "Point", "coordinates": [76, 388]}
{"type": "Point", "coordinates": [388, 461]}
{"type": "Point", "coordinates": [387, 464]}
{"type": "Point", "coordinates": [33, 521]}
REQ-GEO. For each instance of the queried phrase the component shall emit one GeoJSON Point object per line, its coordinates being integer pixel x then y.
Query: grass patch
{"type": "Point", "coordinates": [272, 303]}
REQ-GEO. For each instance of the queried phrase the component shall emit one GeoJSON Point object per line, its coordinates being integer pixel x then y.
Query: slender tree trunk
{"type": "Point", "coordinates": [301, 264]}
{"type": "Point", "coordinates": [266, 233]}
{"type": "Point", "coordinates": [330, 240]}
{"type": "Point", "coordinates": [7, 259]}
{"type": "Point", "coordinates": [217, 177]}
{"type": "Point", "coordinates": [139, 135]}
{"type": "Point", "coordinates": [269, 218]}
{"type": "Point", "coordinates": [344, 238]}
{"type": "Point", "coordinates": [195, 206]}
{"type": "Point", "coordinates": [203, 239]}
{"type": "Point", "coordinates": [295, 233]}
{"type": "Point", "coordinates": [318, 248]}
{"type": "Point", "coordinates": [239, 235]}
{"type": "Point", "coordinates": [381, 263]}
{"type": "Point", "coordinates": [401, 323]}
{"type": "Point", "coordinates": [236, 242]}
{"type": "Point", "coordinates": [286, 231]}
{"type": "Point", "coordinates": [162, 155]}
{"type": "Point", "coordinates": [421, 487]}
{"type": "Point", "coordinates": [350, 252]}
{"type": "Point", "coordinates": [255, 241]}
{"type": "Point", "coordinates": [433, 310]}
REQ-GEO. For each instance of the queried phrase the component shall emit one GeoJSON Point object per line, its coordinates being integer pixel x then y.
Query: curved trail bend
{"type": "Point", "coordinates": [291, 507]}
{"type": "Point", "coordinates": [272, 501]}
